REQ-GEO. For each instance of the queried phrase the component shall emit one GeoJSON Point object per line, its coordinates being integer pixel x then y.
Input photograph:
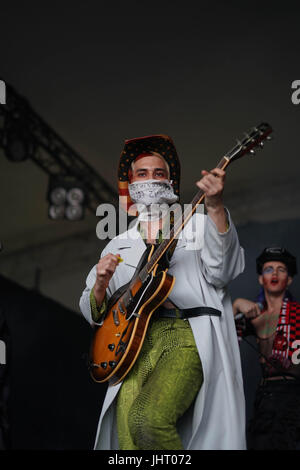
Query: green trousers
{"type": "Point", "coordinates": [160, 387]}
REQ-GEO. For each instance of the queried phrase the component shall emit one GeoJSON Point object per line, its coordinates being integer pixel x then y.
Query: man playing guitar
{"type": "Point", "coordinates": [185, 389]}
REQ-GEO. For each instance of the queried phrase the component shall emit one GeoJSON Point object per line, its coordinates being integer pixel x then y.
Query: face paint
{"type": "Point", "coordinates": [271, 270]}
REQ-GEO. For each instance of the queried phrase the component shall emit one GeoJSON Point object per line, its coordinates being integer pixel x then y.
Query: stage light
{"type": "Point", "coordinates": [67, 198]}
{"type": "Point", "coordinates": [58, 196]}
{"type": "Point", "coordinates": [17, 145]}
{"type": "Point", "coordinates": [74, 212]}
{"type": "Point", "coordinates": [56, 212]}
{"type": "Point", "coordinates": [75, 196]}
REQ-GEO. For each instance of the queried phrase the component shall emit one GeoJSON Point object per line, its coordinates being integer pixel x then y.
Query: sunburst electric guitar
{"type": "Point", "coordinates": [118, 339]}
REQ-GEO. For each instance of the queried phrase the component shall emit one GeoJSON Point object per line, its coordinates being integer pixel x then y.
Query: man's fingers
{"type": "Point", "coordinates": [214, 178]}
{"type": "Point", "coordinates": [215, 172]}
{"type": "Point", "coordinates": [254, 311]}
{"type": "Point", "coordinates": [258, 311]}
{"type": "Point", "coordinates": [210, 185]}
{"type": "Point", "coordinates": [107, 265]}
{"type": "Point", "coordinates": [201, 184]}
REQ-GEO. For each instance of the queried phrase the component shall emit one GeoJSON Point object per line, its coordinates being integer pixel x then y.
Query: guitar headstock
{"type": "Point", "coordinates": [252, 139]}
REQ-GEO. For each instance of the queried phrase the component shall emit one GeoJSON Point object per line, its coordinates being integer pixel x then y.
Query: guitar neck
{"type": "Point", "coordinates": [251, 140]}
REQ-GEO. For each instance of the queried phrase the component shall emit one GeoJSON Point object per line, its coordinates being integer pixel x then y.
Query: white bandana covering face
{"type": "Point", "coordinates": [149, 194]}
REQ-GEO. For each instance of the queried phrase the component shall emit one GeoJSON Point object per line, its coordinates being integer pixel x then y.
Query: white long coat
{"type": "Point", "coordinates": [203, 266]}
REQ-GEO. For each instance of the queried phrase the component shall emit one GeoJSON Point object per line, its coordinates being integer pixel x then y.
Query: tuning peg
{"type": "Point", "coordinates": [252, 152]}
{"type": "Point", "coordinates": [261, 144]}
{"type": "Point", "coordinates": [269, 137]}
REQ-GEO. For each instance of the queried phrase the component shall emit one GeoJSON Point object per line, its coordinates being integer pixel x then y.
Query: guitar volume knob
{"type": "Point", "coordinates": [111, 347]}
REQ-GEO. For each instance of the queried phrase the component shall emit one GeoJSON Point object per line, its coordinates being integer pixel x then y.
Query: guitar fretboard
{"type": "Point", "coordinates": [251, 140]}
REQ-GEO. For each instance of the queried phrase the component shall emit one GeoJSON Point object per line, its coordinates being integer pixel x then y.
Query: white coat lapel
{"type": "Point", "coordinates": [131, 246]}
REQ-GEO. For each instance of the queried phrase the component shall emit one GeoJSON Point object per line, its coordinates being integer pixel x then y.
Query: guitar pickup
{"type": "Point", "coordinates": [116, 317]}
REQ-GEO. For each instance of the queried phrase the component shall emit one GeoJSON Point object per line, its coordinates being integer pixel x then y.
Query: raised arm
{"type": "Point", "coordinates": [212, 183]}
{"type": "Point", "coordinates": [222, 257]}
{"type": "Point", "coordinates": [99, 287]}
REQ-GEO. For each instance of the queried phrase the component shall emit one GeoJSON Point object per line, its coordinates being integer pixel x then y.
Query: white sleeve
{"type": "Point", "coordinates": [222, 256]}
{"type": "Point", "coordinates": [84, 302]}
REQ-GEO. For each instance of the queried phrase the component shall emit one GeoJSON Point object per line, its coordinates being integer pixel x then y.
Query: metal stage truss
{"type": "Point", "coordinates": [21, 125]}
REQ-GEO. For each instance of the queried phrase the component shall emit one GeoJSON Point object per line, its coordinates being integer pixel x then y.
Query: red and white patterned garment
{"type": "Point", "coordinates": [286, 344]}
{"type": "Point", "coordinates": [279, 343]}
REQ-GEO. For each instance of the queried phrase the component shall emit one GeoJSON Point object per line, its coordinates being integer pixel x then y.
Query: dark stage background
{"type": "Point", "coordinates": [52, 402]}
{"type": "Point", "coordinates": [101, 73]}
